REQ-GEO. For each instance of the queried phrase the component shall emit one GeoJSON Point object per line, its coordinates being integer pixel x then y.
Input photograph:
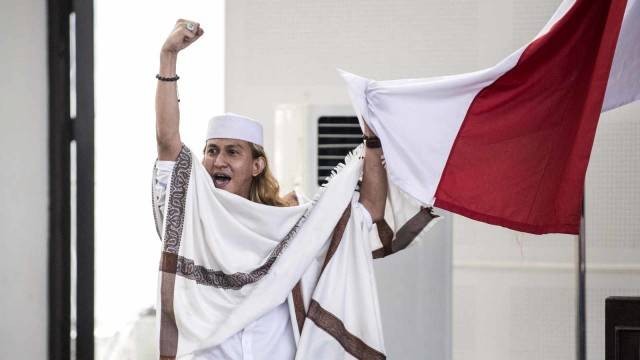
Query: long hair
{"type": "Point", "coordinates": [264, 187]}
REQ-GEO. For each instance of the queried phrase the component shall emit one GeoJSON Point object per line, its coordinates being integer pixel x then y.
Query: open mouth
{"type": "Point", "coordinates": [221, 180]}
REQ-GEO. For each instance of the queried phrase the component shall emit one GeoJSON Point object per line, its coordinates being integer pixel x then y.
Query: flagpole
{"type": "Point", "coordinates": [581, 320]}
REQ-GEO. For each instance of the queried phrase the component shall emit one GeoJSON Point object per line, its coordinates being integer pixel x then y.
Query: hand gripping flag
{"type": "Point", "coordinates": [509, 145]}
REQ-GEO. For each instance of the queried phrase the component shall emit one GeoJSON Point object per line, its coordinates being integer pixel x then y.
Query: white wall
{"type": "Point", "coordinates": [23, 179]}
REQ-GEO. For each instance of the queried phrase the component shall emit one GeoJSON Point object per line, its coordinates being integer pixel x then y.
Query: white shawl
{"type": "Point", "coordinates": [226, 261]}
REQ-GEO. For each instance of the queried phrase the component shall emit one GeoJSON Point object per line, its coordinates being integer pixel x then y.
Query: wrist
{"type": "Point", "coordinates": [168, 62]}
{"type": "Point", "coordinates": [166, 53]}
{"type": "Point", "coordinates": [168, 56]}
{"type": "Point", "coordinates": [371, 142]}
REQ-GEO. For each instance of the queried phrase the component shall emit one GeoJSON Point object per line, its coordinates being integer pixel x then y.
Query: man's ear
{"type": "Point", "coordinates": [258, 166]}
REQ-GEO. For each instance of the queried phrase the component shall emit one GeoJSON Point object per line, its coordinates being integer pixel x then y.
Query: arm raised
{"type": "Point", "coordinates": [167, 110]}
{"type": "Point", "coordinates": [373, 192]}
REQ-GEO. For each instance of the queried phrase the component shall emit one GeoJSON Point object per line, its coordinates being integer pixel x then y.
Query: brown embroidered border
{"type": "Point", "coordinates": [335, 327]}
{"type": "Point", "coordinates": [177, 199]}
{"type": "Point", "coordinates": [385, 233]}
{"type": "Point", "coordinates": [168, 261]}
{"type": "Point", "coordinates": [405, 235]}
{"type": "Point", "coordinates": [410, 230]}
{"type": "Point", "coordinates": [329, 322]}
{"type": "Point", "coordinates": [168, 327]}
{"type": "Point", "coordinates": [187, 268]}
{"type": "Point", "coordinates": [298, 305]}
{"type": "Point", "coordinates": [336, 236]}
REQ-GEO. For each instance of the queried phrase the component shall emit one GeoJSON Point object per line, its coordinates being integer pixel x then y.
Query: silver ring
{"type": "Point", "coordinates": [191, 26]}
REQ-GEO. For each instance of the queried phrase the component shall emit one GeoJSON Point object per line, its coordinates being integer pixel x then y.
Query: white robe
{"type": "Point", "coordinates": [226, 261]}
{"type": "Point", "coordinates": [270, 337]}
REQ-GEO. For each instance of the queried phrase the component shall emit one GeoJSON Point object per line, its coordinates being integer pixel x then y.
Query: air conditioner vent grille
{"type": "Point", "coordinates": [337, 136]}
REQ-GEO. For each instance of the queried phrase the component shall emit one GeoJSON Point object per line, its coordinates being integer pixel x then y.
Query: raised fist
{"type": "Point", "coordinates": [183, 34]}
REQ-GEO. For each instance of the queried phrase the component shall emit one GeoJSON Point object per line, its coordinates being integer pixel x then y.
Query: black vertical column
{"type": "Point", "coordinates": [62, 130]}
{"type": "Point", "coordinates": [59, 186]}
{"type": "Point", "coordinates": [84, 136]}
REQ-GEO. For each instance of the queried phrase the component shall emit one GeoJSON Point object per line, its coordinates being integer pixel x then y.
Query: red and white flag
{"type": "Point", "coordinates": [509, 145]}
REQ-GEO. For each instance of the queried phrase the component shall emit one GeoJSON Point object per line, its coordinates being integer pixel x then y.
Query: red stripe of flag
{"type": "Point", "coordinates": [520, 157]}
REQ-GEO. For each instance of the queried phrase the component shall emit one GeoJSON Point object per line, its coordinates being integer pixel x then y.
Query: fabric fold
{"type": "Point", "coordinates": [509, 145]}
{"type": "Point", "coordinates": [219, 240]}
{"type": "Point", "coordinates": [226, 261]}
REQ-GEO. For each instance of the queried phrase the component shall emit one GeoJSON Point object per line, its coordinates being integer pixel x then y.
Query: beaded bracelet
{"type": "Point", "coordinates": [175, 78]}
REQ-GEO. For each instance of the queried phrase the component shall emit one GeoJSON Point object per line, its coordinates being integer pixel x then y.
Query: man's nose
{"type": "Point", "coordinates": [220, 161]}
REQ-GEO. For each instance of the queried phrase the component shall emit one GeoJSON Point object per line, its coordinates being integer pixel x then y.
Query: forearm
{"type": "Point", "coordinates": [373, 192]}
{"type": "Point", "coordinates": [167, 110]}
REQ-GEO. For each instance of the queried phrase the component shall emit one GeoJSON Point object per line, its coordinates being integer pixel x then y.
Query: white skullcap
{"type": "Point", "coordinates": [234, 126]}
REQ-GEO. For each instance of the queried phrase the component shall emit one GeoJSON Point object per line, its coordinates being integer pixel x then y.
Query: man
{"type": "Point", "coordinates": [236, 162]}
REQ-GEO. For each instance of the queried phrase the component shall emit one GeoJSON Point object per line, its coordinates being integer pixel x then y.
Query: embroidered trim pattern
{"type": "Point", "coordinates": [336, 236]}
{"type": "Point", "coordinates": [405, 235]}
{"type": "Point", "coordinates": [335, 327]}
{"type": "Point", "coordinates": [188, 269]}
{"type": "Point", "coordinates": [169, 335]}
{"type": "Point", "coordinates": [298, 304]}
{"type": "Point", "coordinates": [177, 199]}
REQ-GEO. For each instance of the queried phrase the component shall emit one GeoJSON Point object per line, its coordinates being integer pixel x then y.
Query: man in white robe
{"type": "Point", "coordinates": [233, 161]}
{"type": "Point", "coordinates": [270, 336]}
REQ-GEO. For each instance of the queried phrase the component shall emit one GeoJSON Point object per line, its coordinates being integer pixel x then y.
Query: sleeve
{"type": "Point", "coordinates": [161, 175]}
{"type": "Point", "coordinates": [365, 215]}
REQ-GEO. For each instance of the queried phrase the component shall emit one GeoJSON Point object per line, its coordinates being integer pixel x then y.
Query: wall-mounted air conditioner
{"type": "Point", "coordinates": [310, 140]}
